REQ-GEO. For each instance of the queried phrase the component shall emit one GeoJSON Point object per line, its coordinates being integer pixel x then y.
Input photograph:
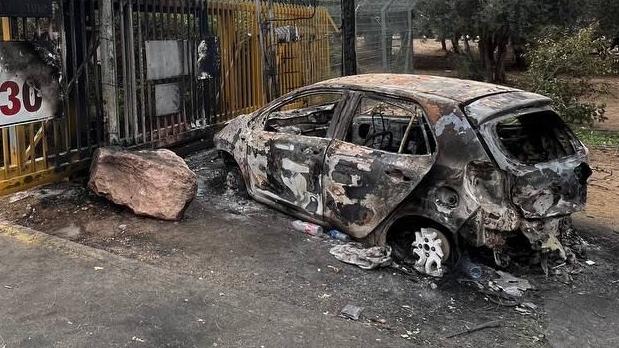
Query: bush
{"type": "Point", "coordinates": [562, 65]}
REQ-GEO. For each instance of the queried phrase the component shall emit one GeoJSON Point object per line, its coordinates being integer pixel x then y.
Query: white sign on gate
{"type": "Point", "coordinates": [28, 92]}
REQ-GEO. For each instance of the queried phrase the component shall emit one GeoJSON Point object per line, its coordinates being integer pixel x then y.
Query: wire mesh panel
{"type": "Point", "coordinates": [384, 35]}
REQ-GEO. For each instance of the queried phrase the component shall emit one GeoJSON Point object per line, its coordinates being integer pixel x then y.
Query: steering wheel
{"type": "Point", "coordinates": [379, 134]}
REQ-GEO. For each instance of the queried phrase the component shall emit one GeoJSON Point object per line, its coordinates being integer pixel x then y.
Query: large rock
{"type": "Point", "coordinates": [158, 183]}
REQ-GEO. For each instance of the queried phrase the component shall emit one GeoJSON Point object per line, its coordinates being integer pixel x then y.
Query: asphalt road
{"type": "Point", "coordinates": [59, 294]}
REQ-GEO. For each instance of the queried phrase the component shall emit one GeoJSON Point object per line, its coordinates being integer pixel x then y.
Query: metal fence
{"type": "Point", "coordinates": [154, 73]}
{"type": "Point", "coordinates": [385, 35]}
{"type": "Point", "coordinates": [52, 148]}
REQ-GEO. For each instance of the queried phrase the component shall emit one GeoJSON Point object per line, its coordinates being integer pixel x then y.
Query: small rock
{"type": "Point", "coordinates": [433, 286]}
{"type": "Point", "coordinates": [590, 262]}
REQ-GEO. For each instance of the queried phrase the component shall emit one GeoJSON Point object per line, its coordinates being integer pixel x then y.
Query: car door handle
{"type": "Point", "coordinates": [397, 174]}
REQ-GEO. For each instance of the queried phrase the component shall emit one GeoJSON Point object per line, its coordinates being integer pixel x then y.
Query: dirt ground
{"type": "Point", "coordinates": [242, 245]}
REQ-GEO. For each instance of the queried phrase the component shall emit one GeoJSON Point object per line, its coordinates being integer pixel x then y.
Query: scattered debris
{"type": "Point", "coordinates": [307, 227]}
{"type": "Point", "coordinates": [590, 262]}
{"type": "Point", "coordinates": [351, 312]}
{"type": "Point", "coordinates": [511, 285]}
{"type": "Point", "coordinates": [8, 287]}
{"type": "Point", "coordinates": [97, 268]}
{"type": "Point", "coordinates": [365, 258]}
{"type": "Point", "coordinates": [137, 339]}
{"type": "Point", "coordinates": [468, 268]}
{"type": "Point", "coordinates": [337, 235]}
{"type": "Point", "coordinates": [487, 325]}
{"type": "Point", "coordinates": [335, 269]}
{"type": "Point", "coordinates": [70, 232]}
{"type": "Point", "coordinates": [530, 305]}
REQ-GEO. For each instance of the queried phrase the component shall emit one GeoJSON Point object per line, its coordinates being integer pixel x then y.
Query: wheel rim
{"type": "Point", "coordinates": [431, 250]}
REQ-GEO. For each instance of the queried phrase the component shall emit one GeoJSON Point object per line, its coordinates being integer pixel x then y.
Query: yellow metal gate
{"type": "Point", "coordinates": [109, 96]}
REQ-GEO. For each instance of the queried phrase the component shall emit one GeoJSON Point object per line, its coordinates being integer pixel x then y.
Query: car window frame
{"type": "Point", "coordinates": [262, 117]}
{"type": "Point", "coordinates": [356, 99]}
{"type": "Point", "coordinates": [499, 152]}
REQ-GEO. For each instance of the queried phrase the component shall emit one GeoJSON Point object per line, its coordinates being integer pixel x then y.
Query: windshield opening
{"type": "Point", "coordinates": [536, 137]}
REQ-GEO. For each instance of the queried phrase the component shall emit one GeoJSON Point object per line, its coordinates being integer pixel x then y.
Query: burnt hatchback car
{"type": "Point", "coordinates": [427, 165]}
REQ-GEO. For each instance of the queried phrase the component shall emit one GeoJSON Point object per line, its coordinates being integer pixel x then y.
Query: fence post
{"type": "Point", "coordinates": [108, 72]}
{"type": "Point", "coordinates": [383, 26]}
{"type": "Point", "coordinates": [12, 131]}
{"type": "Point", "coordinates": [410, 48]}
{"type": "Point", "coordinates": [349, 36]}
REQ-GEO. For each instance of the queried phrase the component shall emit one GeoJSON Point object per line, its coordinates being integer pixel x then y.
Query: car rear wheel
{"type": "Point", "coordinates": [427, 249]}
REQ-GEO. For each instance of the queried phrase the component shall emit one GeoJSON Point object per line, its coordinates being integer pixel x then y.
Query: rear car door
{"type": "Point", "coordinates": [285, 153]}
{"type": "Point", "coordinates": [382, 151]}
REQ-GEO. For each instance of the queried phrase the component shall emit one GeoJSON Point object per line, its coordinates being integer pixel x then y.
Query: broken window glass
{"type": "Point", "coordinates": [386, 126]}
{"type": "Point", "coordinates": [536, 137]}
{"type": "Point", "coordinates": [309, 115]}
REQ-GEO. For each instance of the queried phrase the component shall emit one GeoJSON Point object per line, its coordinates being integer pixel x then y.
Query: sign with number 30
{"type": "Point", "coordinates": [27, 92]}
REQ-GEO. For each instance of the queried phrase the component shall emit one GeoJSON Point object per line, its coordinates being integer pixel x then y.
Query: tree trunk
{"type": "Point", "coordinates": [455, 43]}
{"type": "Point", "coordinates": [443, 44]}
{"type": "Point", "coordinates": [492, 51]}
{"type": "Point", "coordinates": [519, 59]}
{"type": "Point", "coordinates": [467, 46]}
{"type": "Point", "coordinates": [499, 68]}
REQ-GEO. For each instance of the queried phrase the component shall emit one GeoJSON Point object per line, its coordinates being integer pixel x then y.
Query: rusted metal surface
{"type": "Point", "coordinates": [466, 184]}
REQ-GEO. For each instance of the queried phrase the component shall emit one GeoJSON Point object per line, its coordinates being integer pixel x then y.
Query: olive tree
{"type": "Point", "coordinates": [497, 23]}
{"type": "Point", "coordinates": [562, 64]}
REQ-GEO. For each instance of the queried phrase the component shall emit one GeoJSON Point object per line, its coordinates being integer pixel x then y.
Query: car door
{"type": "Point", "coordinates": [286, 152]}
{"type": "Point", "coordinates": [382, 151]}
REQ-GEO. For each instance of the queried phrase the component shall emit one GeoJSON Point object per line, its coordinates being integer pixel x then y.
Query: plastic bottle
{"type": "Point", "coordinates": [469, 268]}
{"type": "Point", "coordinates": [306, 227]}
{"type": "Point", "coordinates": [335, 234]}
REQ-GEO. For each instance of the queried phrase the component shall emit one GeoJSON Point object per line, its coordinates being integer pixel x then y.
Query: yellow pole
{"type": "Point", "coordinates": [6, 36]}
{"type": "Point", "coordinates": [6, 29]}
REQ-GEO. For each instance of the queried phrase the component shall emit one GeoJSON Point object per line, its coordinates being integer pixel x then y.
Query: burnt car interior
{"type": "Point", "coordinates": [307, 115]}
{"type": "Point", "coordinates": [389, 127]}
{"type": "Point", "coordinates": [536, 137]}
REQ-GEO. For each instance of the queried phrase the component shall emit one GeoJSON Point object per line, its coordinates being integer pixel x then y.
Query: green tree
{"type": "Point", "coordinates": [497, 23]}
{"type": "Point", "coordinates": [562, 66]}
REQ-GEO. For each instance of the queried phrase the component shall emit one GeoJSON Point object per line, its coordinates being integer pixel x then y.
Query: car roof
{"type": "Point", "coordinates": [461, 91]}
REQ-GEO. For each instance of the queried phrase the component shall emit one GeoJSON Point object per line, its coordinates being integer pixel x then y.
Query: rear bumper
{"type": "Point", "coordinates": [486, 230]}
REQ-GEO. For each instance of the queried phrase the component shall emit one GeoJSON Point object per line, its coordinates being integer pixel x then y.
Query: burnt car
{"type": "Point", "coordinates": [428, 165]}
